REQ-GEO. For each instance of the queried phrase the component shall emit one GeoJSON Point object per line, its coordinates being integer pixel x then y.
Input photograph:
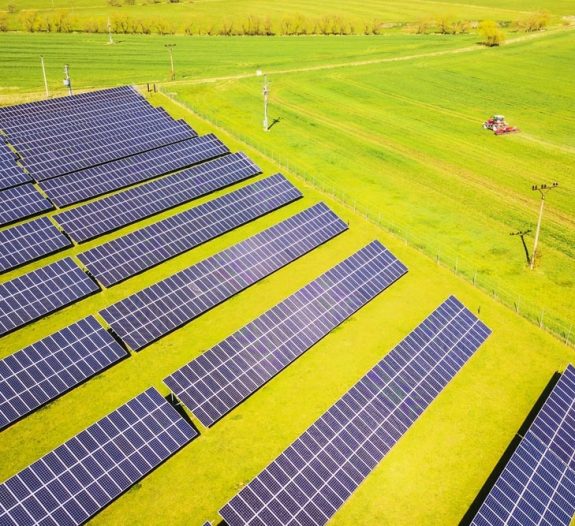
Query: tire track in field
{"type": "Point", "coordinates": [367, 62]}
{"type": "Point", "coordinates": [511, 198]}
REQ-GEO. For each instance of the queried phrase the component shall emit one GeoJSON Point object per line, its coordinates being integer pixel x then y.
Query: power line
{"type": "Point", "coordinates": [542, 189]}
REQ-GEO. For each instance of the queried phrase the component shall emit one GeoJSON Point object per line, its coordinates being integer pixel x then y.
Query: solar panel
{"type": "Point", "coordinates": [98, 180]}
{"type": "Point", "coordinates": [41, 292]}
{"type": "Point", "coordinates": [12, 175]}
{"type": "Point", "coordinates": [74, 158]}
{"type": "Point", "coordinates": [110, 213]}
{"type": "Point", "coordinates": [150, 314]}
{"type": "Point", "coordinates": [20, 202]}
{"type": "Point", "coordinates": [223, 377]}
{"type": "Point", "coordinates": [43, 371]}
{"type": "Point", "coordinates": [314, 476]}
{"type": "Point", "coordinates": [24, 243]}
{"type": "Point", "coordinates": [537, 485]}
{"type": "Point", "coordinates": [133, 253]}
{"type": "Point", "coordinates": [71, 484]}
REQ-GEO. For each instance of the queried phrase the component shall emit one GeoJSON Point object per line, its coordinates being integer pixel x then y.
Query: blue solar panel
{"type": "Point", "coordinates": [150, 314]}
{"type": "Point", "coordinates": [41, 292]}
{"type": "Point", "coordinates": [12, 175]}
{"type": "Point", "coordinates": [20, 202]}
{"type": "Point", "coordinates": [24, 243]}
{"type": "Point", "coordinates": [114, 175]}
{"type": "Point", "coordinates": [314, 476]}
{"type": "Point", "coordinates": [223, 377]}
{"type": "Point", "coordinates": [71, 484]}
{"type": "Point", "coordinates": [43, 371]}
{"type": "Point", "coordinates": [133, 253]}
{"type": "Point", "coordinates": [73, 158]}
{"type": "Point", "coordinates": [537, 485]}
{"type": "Point", "coordinates": [110, 213]}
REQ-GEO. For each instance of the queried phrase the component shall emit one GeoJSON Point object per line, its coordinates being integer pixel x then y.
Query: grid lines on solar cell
{"type": "Point", "coordinates": [98, 180]}
{"type": "Point", "coordinates": [224, 376]}
{"type": "Point", "coordinates": [71, 484]}
{"type": "Point", "coordinates": [12, 175]}
{"type": "Point", "coordinates": [28, 242]}
{"type": "Point", "coordinates": [43, 371]}
{"type": "Point", "coordinates": [110, 213]}
{"type": "Point", "coordinates": [537, 485]}
{"type": "Point", "coordinates": [148, 315]}
{"type": "Point", "coordinates": [128, 255]}
{"type": "Point", "coordinates": [74, 158]}
{"type": "Point", "coordinates": [310, 481]}
{"type": "Point", "coordinates": [21, 201]}
{"type": "Point", "coordinates": [41, 292]}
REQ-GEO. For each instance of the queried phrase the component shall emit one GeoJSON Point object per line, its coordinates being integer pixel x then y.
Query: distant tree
{"type": "Point", "coordinates": [12, 9]}
{"type": "Point", "coordinates": [268, 27]}
{"type": "Point", "coordinates": [286, 26]}
{"type": "Point", "coordinates": [29, 21]}
{"type": "Point", "coordinates": [3, 22]}
{"type": "Point", "coordinates": [491, 33]}
{"type": "Point", "coordinates": [422, 27]}
{"type": "Point", "coordinates": [227, 28]}
{"type": "Point", "coordinates": [114, 3]}
{"type": "Point", "coordinates": [534, 22]}
{"type": "Point", "coordinates": [92, 25]}
{"type": "Point", "coordinates": [376, 27]}
{"type": "Point", "coordinates": [189, 28]}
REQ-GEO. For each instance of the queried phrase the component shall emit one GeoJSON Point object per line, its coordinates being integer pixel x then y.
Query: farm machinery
{"type": "Point", "coordinates": [499, 126]}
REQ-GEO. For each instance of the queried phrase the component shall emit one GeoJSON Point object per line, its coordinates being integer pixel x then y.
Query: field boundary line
{"type": "Point", "coordinates": [558, 327]}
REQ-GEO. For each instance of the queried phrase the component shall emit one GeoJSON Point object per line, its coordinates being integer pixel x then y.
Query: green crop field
{"type": "Point", "coordinates": [386, 126]}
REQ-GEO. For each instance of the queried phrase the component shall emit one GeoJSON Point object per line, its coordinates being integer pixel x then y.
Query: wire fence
{"type": "Point", "coordinates": [443, 256]}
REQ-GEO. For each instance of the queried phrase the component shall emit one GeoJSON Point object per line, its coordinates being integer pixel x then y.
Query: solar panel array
{"type": "Point", "coordinates": [11, 174]}
{"type": "Point", "coordinates": [27, 242]}
{"type": "Point", "coordinates": [71, 484]}
{"type": "Point", "coordinates": [21, 201]}
{"type": "Point", "coordinates": [99, 180]}
{"type": "Point", "coordinates": [150, 314]}
{"type": "Point", "coordinates": [310, 481]}
{"type": "Point", "coordinates": [41, 292]}
{"type": "Point", "coordinates": [43, 371]}
{"type": "Point", "coordinates": [537, 485]}
{"type": "Point", "coordinates": [110, 213]}
{"type": "Point", "coordinates": [133, 253]}
{"type": "Point", "coordinates": [221, 378]}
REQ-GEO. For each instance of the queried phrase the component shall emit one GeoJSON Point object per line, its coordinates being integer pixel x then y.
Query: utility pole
{"type": "Point", "coordinates": [266, 93]}
{"type": "Point", "coordinates": [44, 75]}
{"type": "Point", "coordinates": [170, 48]}
{"type": "Point", "coordinates": [67, 79]}
{"type": "Point", "coordinates": [542, 189]}
{"type": "Point", "coordinates": [110, 39]}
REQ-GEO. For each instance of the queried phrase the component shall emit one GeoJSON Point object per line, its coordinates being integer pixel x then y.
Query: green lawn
{"type": "Point", "coordinates": [402, 139]}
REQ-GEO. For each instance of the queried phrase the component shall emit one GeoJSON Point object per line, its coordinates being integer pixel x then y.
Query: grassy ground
{"type": "Point", "coordinates": [430, 477]}
{"type": "Point", "coordinates": [404, 140]}
{"type": "Point", "coordinates": [203, 14]}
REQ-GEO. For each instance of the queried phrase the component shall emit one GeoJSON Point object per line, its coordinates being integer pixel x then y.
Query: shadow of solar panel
{"type": "Point", "coordinates": [71, 484]}
{"type": "Point", "coordinates": [24, 243]}
{"type": "Point", "coordinates": [42, 292]}
{"type": "Point", "coordinates": [536, 487]}
{"type": "Point", "coordinates": [154, 312]}
{"type": "Point", "coordinates": [133, 253]}
{"type": "Point", "coordinates": [98, 180]}
{"type": "Point", "coordinates": [74, 158]}
{"type": "Point", "coordinates": [110, 213]}
{"type": "Point", "coordinates": [221, 378]}
{"type": "Point", "coordinates": [12, 175]}
{"type": "Point", "coordinates": [21, 201]}
{"type": "Point", "coordinates": [310, 481]}
{"type": "Point", "coordinates": [45, 370]}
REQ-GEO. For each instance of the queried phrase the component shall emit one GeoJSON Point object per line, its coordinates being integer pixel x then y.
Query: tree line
{"type": "Point", "coordinates": [62, 22]}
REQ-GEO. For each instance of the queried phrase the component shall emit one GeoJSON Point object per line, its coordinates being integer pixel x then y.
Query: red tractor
{"type": "Point", "coordinates": [498, 125]}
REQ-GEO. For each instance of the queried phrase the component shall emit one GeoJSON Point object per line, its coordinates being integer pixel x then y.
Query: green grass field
{"type": "Point", "coordinates": [400, 138]}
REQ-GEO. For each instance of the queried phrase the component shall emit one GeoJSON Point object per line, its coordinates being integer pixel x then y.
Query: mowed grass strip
{"type": "Point", "coordinates": [430, 477]}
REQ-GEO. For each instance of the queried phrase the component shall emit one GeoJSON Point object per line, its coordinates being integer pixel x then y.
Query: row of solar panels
{"type": "Point", "coordinates": [63, 136]}
{"type": "Point", "coordinates": [317, 473]}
